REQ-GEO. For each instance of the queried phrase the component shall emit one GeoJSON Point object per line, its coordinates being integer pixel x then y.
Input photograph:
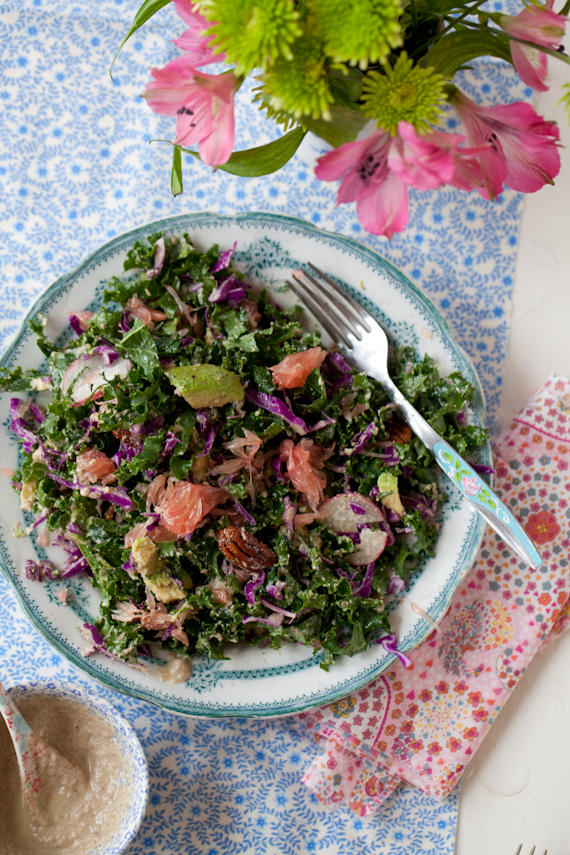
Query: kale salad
{"type": "Point", "coordinates": [217, 473]}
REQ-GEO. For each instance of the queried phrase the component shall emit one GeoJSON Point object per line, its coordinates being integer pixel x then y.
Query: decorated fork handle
{"type": "Point", "coordinates": [475, 490]}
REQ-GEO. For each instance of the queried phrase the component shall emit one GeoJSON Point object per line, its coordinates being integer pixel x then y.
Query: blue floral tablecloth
{"type": "Point", "coordinates": [77, 166]}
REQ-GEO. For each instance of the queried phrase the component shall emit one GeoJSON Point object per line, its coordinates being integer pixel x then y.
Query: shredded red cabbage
{"type": "Point", "coordinates": [149, 428]}
{"type": "Point", "coordinates": [362, 438]}
{"type": "Point", "coordinates": [224, 260]}
{"type": "Point", "coordinates": [339, 362]}
{"type": "Point", "coordinates": [273, 620]}
{"type": "Point", "coordinates": [276, 590]}
{"type": "Point", "coordinates": [418, 501]}
{"type": "Point", "coordinates": [276, 465]}
{"type": "Point", "coordinates": [170, 443]}
{"type": "Point", "coordinates": [108, 353]}
{"type": "Point", "coordinates": [20, 427]}
{"type": "Point", "coordinates": [365, 588]}
{"type": "Point", "coordinates": [124, 323]}
{"type": "Point", "coordinates": [159, 257]}
{"type": "Point", "coordinates": [40, 570]}
{"type": "Point", "coordinates": [356, 509]}
{"type": "Point", "coordinates": [75, 324]}
{"type": "Point", "coordinates": [125, 452]}
{"type": "Point", "coordinates": [245, 514]}
{"type": "Point", "coordinates": [277, 609]}
{"type": "Point", "coordinates": [231, 289]}
{"type": "Point", "coordinates": [37, 413]}
{"type": "Point", "coordinates": [273, 405]}
{"type": "Point", "coordinates": [323, 423]}
{"type": "Point", "coordinates": [389, 643]}
{"type": "Point", "coordinates": [250, 587]}
{"type": "Point", "coordinates": [397, 585]}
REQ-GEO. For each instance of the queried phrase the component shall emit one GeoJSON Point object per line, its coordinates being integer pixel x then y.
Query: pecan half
{"type": "Point", "coordinates": [400, 432]}
{"type": "Point", "coordinates": [244, 550]}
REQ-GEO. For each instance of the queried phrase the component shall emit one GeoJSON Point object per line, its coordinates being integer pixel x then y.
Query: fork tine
{"type": "Point", "coordinates": [356, 307]}
{"type": "Point", "coordinates": [305, 297]}
{"type": "Point", "coordinates": [335, 321]}
{"type": "Point", "coordinates": [532, 850]}
{"type": "Point", "coordinates": [343, 308]}
{"type": "Point", "coordinates": [331, 308]}
{"type": "Point", "coordinates": [519, 850]}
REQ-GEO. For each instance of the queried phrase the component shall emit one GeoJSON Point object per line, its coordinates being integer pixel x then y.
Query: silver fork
{"type": "Point", "coordinates": [532, 851]}
{"type": "Point", "coordinates": [363, 342]}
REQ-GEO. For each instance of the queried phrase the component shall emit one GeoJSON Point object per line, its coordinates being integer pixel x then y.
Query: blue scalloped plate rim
{"type": "Point", "coordinates": [471, 544]}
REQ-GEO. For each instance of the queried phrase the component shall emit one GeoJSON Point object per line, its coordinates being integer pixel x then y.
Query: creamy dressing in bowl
{"type": "Point", "coordinates": [83, 821]}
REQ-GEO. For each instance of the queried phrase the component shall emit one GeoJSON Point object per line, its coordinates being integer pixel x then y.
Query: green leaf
{"type": "Point", "coordinates": [345, 126]}
{"type": "Point", "coordinates": [454, 50]}
{"type": "Point", "coordinates": [141, 347]}
{"type": "Point", "coordinates": [17, 380]}
{"type": "Point", "coordinates": [263, 159]}
{"type": "Point", "coordinates": [146, 11]}
{"type": "Point", "coordinates": [176, 184]}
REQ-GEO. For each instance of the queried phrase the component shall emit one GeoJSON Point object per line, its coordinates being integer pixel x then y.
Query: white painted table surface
{"type": "Point", "coordinates": [517, 788]}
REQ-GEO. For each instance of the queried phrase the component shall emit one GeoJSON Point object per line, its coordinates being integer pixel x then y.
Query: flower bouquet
{"type": "Point", "coordinates": [371, 78]}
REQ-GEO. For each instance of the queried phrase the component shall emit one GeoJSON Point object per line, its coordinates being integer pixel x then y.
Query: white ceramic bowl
{"type": "Point", "coordinates": [130, 748]}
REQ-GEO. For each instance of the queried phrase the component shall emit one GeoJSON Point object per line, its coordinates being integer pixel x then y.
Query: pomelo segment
{"type": "Point", "coordinates": [206, 385]}
{"type": "Point", "coordinates": [186, 504]}
{"type": "Point", "coordinates": [346, 511]}
{"type": "Point", "coordinates": [294, 369]}
{"type": "Point", "coordinates": [93, 465]}
{"type": "Point", "coordinates": [85, 376]}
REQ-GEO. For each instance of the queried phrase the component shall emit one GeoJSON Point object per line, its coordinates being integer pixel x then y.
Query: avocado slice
{"type": "Point", "coordinates": [206, 385]}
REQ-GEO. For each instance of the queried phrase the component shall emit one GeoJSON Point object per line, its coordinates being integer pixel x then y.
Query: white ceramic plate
{"type": "Point", "coordinates": [253, 682]}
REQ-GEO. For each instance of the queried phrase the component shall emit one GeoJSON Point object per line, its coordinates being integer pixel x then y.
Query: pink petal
{"type": "Point", "coordinates": [336, 163]}
{"type": "Point", "coordinates": [166, 102]}
{"type": "Point", "coordinates": [531, 66]}
{"type": "Point", "coordinates": [542, 26]}
{"type": "Point", "coordinates": [185, 8]}
{"type": "Point", "coordinates": [422, 162]}
{"type": "Point", "coordinates": [175, 73]}
{"type": "Point", "coordinates": [197, 49]}
{"type": "Point", "coordinates": [383, 209]}
{"type": "Point", "coordinates": [217, 147]}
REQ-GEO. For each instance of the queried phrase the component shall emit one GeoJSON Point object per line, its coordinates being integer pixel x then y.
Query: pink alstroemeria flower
{"type": "Point", "coordinates": [521, 151]}
{"type": "Point", "coordinates": [381, 197]}
{"type": "Point", "coordinates": [193, 40]}
{"type": "Point", "coordinates": [537, 24]}
{"type": "Point", "coordinates": [202, 103]}
{"type": "Point", "coordinates": [377, 171]}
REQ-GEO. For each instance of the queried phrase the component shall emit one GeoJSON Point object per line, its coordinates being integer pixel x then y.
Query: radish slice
{"type": "Point", "coordinates": [371, 546]}
{"type": "Point", "coordinates": [346, 511]}
{"type": "Point", "coordinates": [85, 375]}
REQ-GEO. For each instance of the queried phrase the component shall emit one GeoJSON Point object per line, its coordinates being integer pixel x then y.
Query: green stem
{"type": "Point", "coordinates": [414, 12]}
{"type": "Point", "coordinates": [437, 36]}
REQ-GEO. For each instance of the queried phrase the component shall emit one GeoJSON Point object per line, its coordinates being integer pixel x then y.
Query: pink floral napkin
{"type": "Point", "coordinates": [423, 724]}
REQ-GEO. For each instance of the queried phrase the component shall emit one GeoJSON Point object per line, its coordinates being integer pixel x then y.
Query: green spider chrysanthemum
{"type": "Point", "coordinates": [300, 87]}
{"type": "Point", "coordinates": [251, 32]}
{"type": "Point", "coordinates": [286, 121]}
{"type": "Point", "coordinates": [406, 92]}
{"type": "Point", "coordinates": [358, 31]}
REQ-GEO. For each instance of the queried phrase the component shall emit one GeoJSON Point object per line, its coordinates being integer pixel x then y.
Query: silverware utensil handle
{"type": "Point", "coordinates": [475, 490]}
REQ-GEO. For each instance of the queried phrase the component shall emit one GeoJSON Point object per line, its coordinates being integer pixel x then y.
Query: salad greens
{"type": "Point", "coordinates": [217, 474]}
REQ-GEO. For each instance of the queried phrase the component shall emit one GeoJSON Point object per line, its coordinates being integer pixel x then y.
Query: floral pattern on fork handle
{"type": "Point", "coordinates": [474, 488]}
